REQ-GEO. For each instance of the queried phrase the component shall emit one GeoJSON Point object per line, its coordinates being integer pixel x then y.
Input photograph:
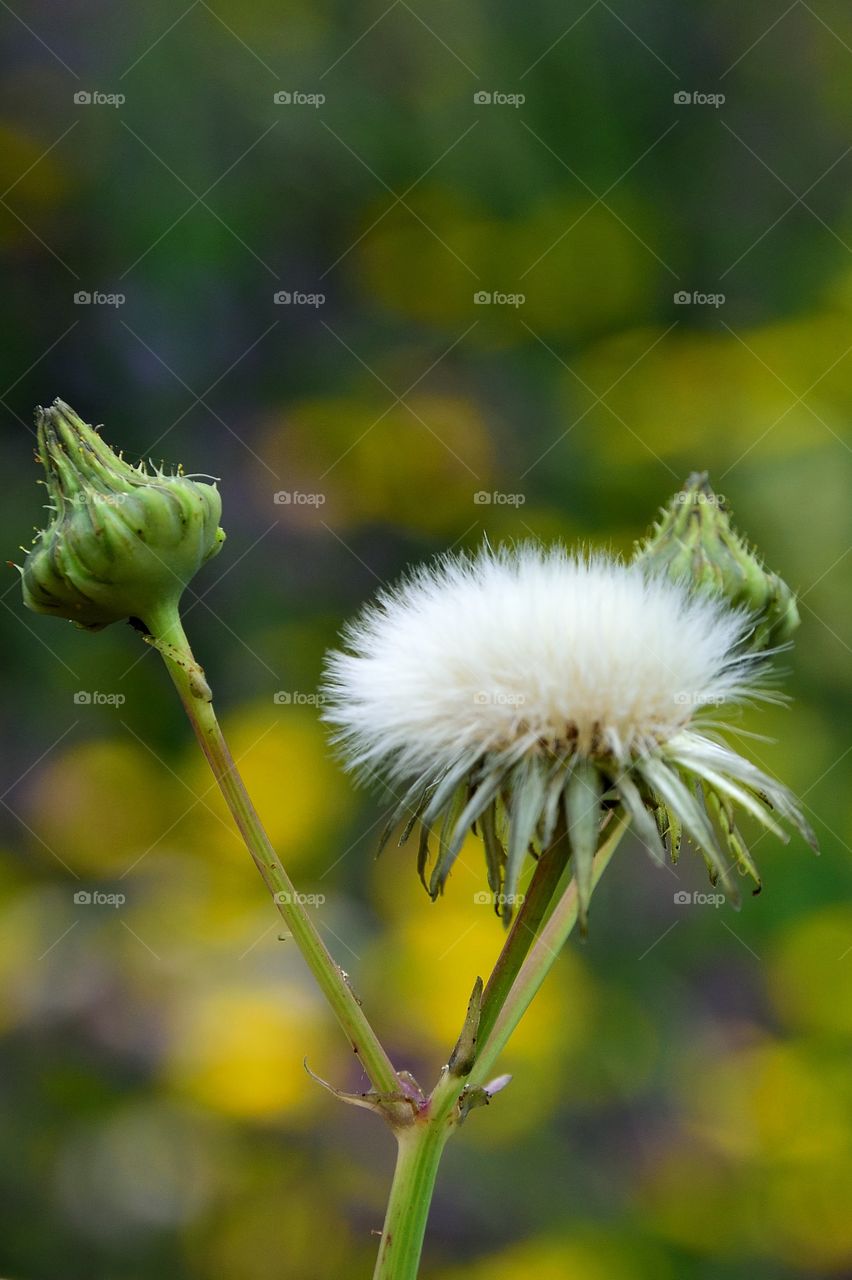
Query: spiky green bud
{"type": "Point", "coordinates": [694, 540]}
{"type": "Point", "coordinates": [122, 542]}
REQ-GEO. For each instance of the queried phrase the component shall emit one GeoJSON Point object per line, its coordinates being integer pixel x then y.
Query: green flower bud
{"type": "Point", "coordinates": [694, 539]}
{"type": "Point", "coordinates": [122, 543]}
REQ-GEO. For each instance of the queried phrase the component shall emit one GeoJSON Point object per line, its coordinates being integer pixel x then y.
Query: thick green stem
{"type": "Point", "coordinates": [525, 928]}
{"type": "Point", "coordinates": [169, 637]}
{"type": "Point", "coordinates": [419, 1149]}
{"type": "Point", "coordinates": [539, 961]}
{"type": "Point", "coordinates": [421, 1144]}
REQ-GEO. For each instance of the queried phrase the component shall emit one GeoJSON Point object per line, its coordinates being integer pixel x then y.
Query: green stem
{"type": "Point", "coordinates": [169, 637]}
{"type": "Point", "coordinates": [422, 1143]}
{"type": "Point", "coordinates": [419, 1149]}
{"type": "Point", "coordinates": [525, 928]}
{"type": "Point", "coordinates": [540, 959]}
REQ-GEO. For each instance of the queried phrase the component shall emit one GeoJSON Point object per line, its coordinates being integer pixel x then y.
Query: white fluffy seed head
{"type": "Point", "coordinates": [537, 648]}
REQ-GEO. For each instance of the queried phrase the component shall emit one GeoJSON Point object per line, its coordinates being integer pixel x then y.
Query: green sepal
{"type": "Point", "coordinates": [495, 854]}
{"type": "Point", "coordinates": [527, 796]}
{"type": "Point", "coordinates": [721, 811]}
{"type": "Point", "coordinates": [448, 850]}
{"type": "Point", "coordinates": [582, 818]}
{"type": "Point", "coordinates": [679, 799]}
{"type": "Point", "coordinates": [464, 1054]}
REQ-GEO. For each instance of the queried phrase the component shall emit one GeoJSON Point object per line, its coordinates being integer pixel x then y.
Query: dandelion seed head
{"type": "Point", "coordinates": [536, 646]}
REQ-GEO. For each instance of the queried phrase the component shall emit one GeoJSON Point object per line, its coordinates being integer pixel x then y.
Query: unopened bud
{"type": "Point", "coordinates": [122, 542]}
{"type": "Point", "coordinates": [694, 540]}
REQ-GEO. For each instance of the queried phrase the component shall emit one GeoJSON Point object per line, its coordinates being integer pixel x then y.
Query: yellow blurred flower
{"type": "Point", "coordinates": [547, 262]}
{"type": "Point", "coordinates": [586, 1254]}
{"type": "Point", "coordinates": [283, 755]}
{"type": "Point", "coordinates": [31, 921]}
{"type": "Point", "coordinates": [101, 805]}
{"type": "Point", "coordinates": [285, 1222]}
{"type": "Point", "coordinates": [373, 461]}
{"type": "Point", "coordinates": [35, 172]}
{"type": "Point", "coordinates": [715, 395]}
{"type": "Point", "coordinates": [731, 1211]}
{"type": "Point", "coordinates": [767, 1170]}
{"type": "Point", "coordinates": [810, 976]}
{"type": "Point", "coordinates": [770, 1102]}
{"type": "Point", "coordinates": [240, 1050]}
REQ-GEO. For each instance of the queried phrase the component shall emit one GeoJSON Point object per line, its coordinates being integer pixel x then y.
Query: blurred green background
{"type": "Point", "coordinates": [682, 1101]}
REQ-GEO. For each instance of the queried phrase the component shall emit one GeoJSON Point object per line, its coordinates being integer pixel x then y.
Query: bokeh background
{"type": "Point", "coordinates": [682, 1101]}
